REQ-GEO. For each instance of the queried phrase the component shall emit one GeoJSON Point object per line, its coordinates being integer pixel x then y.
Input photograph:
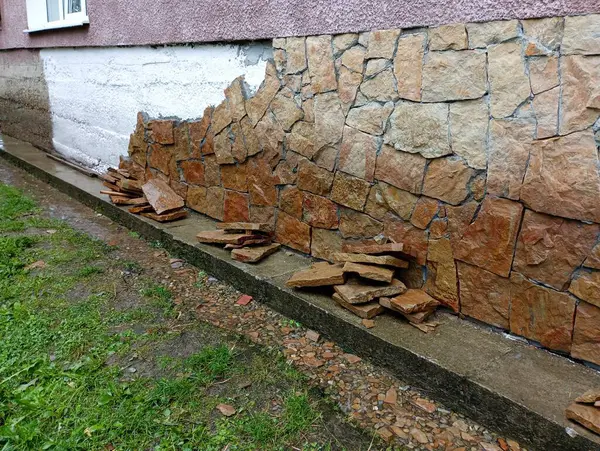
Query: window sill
{"type": "Point", "coordinates": [59, 25]}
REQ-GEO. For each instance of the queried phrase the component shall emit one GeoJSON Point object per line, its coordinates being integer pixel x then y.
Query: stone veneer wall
{"type": "Point", "coordinates": [475, 145]}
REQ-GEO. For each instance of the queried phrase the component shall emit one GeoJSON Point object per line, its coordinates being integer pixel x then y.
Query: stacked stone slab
{"type": "Point", "coordinates": [475, 145]}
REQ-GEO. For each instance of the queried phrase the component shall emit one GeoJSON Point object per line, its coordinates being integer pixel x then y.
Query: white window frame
{"type": "Point", "coordinates": [37, 16]}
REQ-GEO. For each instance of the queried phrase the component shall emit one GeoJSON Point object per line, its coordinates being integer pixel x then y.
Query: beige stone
{"type": "Point", "coordinates": [581, 35]}
{"type": "Point", "coordinates": [325, 243]}
{"type": "Point", "coordinates": [287, 112]}
{"type": "Point", "coordinates": [447, 179]}
{"type": "Point", "coordinates": [509, 86]}
{"type": "Point", "coordinates": [376, 206]}
{"type": "Point", "coordinates": [589, 397]}
{"type": "Point", "coordinates": [358, 153]}
{"type": "Point", "coordinates": [382, 43]}
{"type": "Point", "coordinates": [236, 98]}
{"type": "Point", "coordinates": [161, 196]}
{"type": "Point", "coordinates": [370, 118]}
{"type": "Point", "coordinates": [541, 314]}
{"type": "Point", "coordinates": [448, 37]}
{"type": "Point", "coordinates": [459, 218]}
{"type": "Point", "coordinates": [344, 41]}
{"type": "Point", "coordinates": [329, 119]}
{"type": "Point", "coordinates": [369, 271]}
{"type": "Point", "coordinates": [254, 254]}
{"type": "Point", "coordinates": [314, 179]}
{"type": "Point", "coordinates": [562, 177]}
{"type": "Point", "coordinates": [350, 191]}
{"type": "Point", "coordinates": [586, 335]}
{"type": "Point", "coordinates": [224, 237]}
{"type": "Point", "coordinates": [375, 66]}
{"type": "Point", "coordinates": [586, 286]}
{"type": "Point", "coordinates": [543, 73]}
{"type": "Point", "coordinates": [580, 82]}
{"type": "Point", "coordinates": [348, 82]}
{"type": "Point", "coordinates": [320, 63]}
{"type": "Point", "coordinates": [408, 64]}
{"type": "Point", "coordinates": [454, 76]}
{"type": "Point", "coordinates": [295, 49]}
{"type": "Point", "coordinates": [245, 226]}
{"type": "Point", "coordinates": [382, 87]}
{"type": "Point", "coordinates": [370, 249]}
{"type": "Point", "coordinates": [384, 260]}
{"type": "Point", "coordinates": [366, 311]}
{"type": "Point", "coordinates": [302, 139]}
{"type": "Point", "coordinates": [469, 130]}
{"type": "Point", "coordinates": [549, 249]}
{"type": "Point", "coordinates": [326, 158]}
{"type": "Point", "coordinates": [545, 32]}
{"type": "Point", "coordinates": [354, 58]}
{"type": "Point", "coordinates": [250, 139]}
{"type": "Point", "coordinates": [441, 280]}
{"type": "Point", "coordinates": [319, 274]}
{"type": "Point", "coordinates": [400, 169]}
{"type": "Point", "coordinates": [399, 201]}
{"type": "Point", "coordinates": [258, 103]}
{"type": "Point", "coordinates": [587, 416]}
{"type": "Point", "coordinates": [215, 196]}
{"type": "Point", "coordinates": [545, 106]}
{"type": "Point", "coordinates": [484, 295]}
{"type": "Point", "coordinates": [486, 33]}
{"type": "Point", "coordinates": [413, 301]}
{"type": "Point", "coordinates": [271, 137]}
{"type": "Point", "coordinates": [357, 225]}
{"type": "Point", "coordinates": [355, 292]}
{"type": "Point", "coordinates": [510, 145]}
{"type": "Point", "coordinates": [593, 260]}
{"type": "Point", "coordinates": [489, 241]}
{"type": "Point", "coordinates": [419, 128]}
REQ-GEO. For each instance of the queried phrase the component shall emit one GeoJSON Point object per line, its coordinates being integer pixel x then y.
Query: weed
{"type": "Point", "coordinates": [133, 234]}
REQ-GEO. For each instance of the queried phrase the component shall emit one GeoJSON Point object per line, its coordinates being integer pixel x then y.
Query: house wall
{"type": "Point", "coordinates": [476, 146]}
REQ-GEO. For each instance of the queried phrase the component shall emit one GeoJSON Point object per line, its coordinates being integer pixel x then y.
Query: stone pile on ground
{"type": "Point", "coordinates": [153, 199]}
{"type": "Point", "coordinates": [586, 410]}
{"type": "Point", "coordinates": [249, 242]}
{"type": "Point", "coordinates": [364, 282]}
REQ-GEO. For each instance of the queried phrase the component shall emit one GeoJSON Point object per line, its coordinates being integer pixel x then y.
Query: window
{"type": "Point", "coordinates": [50, 14]}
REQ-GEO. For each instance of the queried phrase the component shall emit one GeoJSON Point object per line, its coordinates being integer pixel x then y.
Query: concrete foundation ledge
{"type": "Point", "coordinates": [511, 387]}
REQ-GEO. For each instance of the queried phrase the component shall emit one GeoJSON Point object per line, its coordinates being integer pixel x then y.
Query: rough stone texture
{"type": "Point", "coordinates": [261, 183]}
{"type": "Point", "coordinates": [318, 275]}
{"type": "Point", "coordinates": [593, 260]}
{"type": "Point", "coordinates": [489, 241]}
{"type": "Point", "coordinates": [545, 106]}
{"type": "Point", "coordinates": [469, 130]}
{"type": "Point", "coordinates": [258, 103]}
{"type": "Point", "coordinates": [509, 86]}
{"type": "Point", "coordinates": [223, 148]}
{"type": "Point", "coordinates": [302, 139]}
{"type": "Point", "coordinates": [562, 178]}
{"type": "Point", "coordinates": [541, 314]}
{"type": "Point", "coordinates": [448, 37]}
{"type": "Point", "coordinates": [370, 118]}
{"type": "Point", "coordinates": [408, 64]}
{"type": "Point", "coordinates": [253, 254]}
{"type": "Point", "coordinates": [382, 43]}
{"type": "Point", "coordinates": [454, 76]}
{"type": "Point", "coordinates": [348, 83]}
{"type": "Point", "coordinates": [212, 171]}
{"type": "Point", "coordinates": [354, 292]}
{"type": "Point", "coordinates": [342, 42]}
{"type": "Point", "coordinates": [293, 233]}
{"type": "Point", "coordinates": [193, 172]}
{"type": "Point", "coordinates": [382, 87]}
{"type": "Point", "coordinates": [320, 212]}
{"type": "Point", "coordinates": [354, 58]}
{"type": "Point", "coordinates": [588, 416]}
{"type": "Point", "coordinates": [484, 295]}
{"type": "Point", "coordinates": [549, 249]}
{"type": "Point", "coordinates": [413, 301]}
{"type": "Point", "coordinates": [510, 145]}
{"type": "Point", "coordinates": [235, 207]}
{"type": "Point", "coordinates": [400, 169]}
{"type": "Point", "coordinates": [313, 178]}
{"type": "Point", "coordinates": [350, 191]}
{"type": "Point", "coordinates": [580, 92]}
{"type": "Point", "coordinates": [214, 202]}
{"type": "Point", "coordinates": [586, 335]}
{"type": "Point", "coordinates": [399, 201]}
{"type": "Point", "coordinates": [369, 272]}
{"type": "Point", "coordinates": [290, 201]}
{"type": "Point", "coordinates": [419, 128]}
{"type": "Point", "coordinates": [325, 243]}
{"type": "Point", "coordinates": [162, 132]}
{"type": "Point", "coordinates": [286, 110]}
{"type": "Point", "coordinates": [425, 210]}
{"type": "Point", "coordinates": [384, 260]}
{"type": "Point", "coordinates": [581, 35]}
{"type": "Point", "coordinates": [447, 179]}
{"type": "Point", "coordinates": [358, 153]}
{"type": "Point", "coordinates": [586, 286]}
{"type": "Point", "coordinates": [366, 311]}
{"type": "Point", "coordinates": [544, 34]}
{"type": "Point", "coordinates": [295, 49]}
{"type": "Point", "coordinates": [329, 119]}
{"type": "Point", "coordinates": [414, 239]}
{"type": "Point", "coordinates": [161, 196]}
{"type": "Point", "coordinates": [320, 63]}
{"type": "Point", "coordinates": [486, 33]}
{"type": "Point", "coordinates": [358, 225]}
{"type": "Point", "coordinates": [442, 284]}
{"type": "Point", "coordinates": [234, 177]}
{"type": "Point", "coordinates": [543, 73]}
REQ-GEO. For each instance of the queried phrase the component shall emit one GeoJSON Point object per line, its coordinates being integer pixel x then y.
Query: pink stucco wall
{"type": "Point", "coordinates": [139, 22]}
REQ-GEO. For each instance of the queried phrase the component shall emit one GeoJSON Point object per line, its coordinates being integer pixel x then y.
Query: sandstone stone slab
{"type": "Point", "coordinates": [350, 191]}
{"type": "Point", "coordinates": [372, 249]}
{"type": "Point", "coordinates": [320, 212]}
{"type": "Point", "coordinates": [469, 130]}
{"type": "Point", "coordinates": [365, 311]}
{"type": "Point", "coordinates": [586, 335]}
{"type": "Point", "coordinates": [419, 128]}
{"type": "Point", "coordinates": [254, 254]}
{"type": "Point", "coordinates": [509, 85]}
{"type": "Point", "coordinates": [399, 201]}
{"type": "Point", "coordinates": [162, 131]}
{"type": "Point", "coordinates": [292, 232]}
{"type": "Point", "coordinates": [354, 58]}
{"type": "Point", "coordinates": [302, 139]}
{"type": "Point", "coordinates": [484, 295]}
{"type": "Point", "coordinates": [329, 120]}
{"type": "Point", "coordinates": [408, 64]}
{"type": "Point", "coordinates": [400, 169]}
{"type": "Point", "coordinates": [549, 249]}
{"type": "Point", "coordinates": [448, 37]}
{"type": "Point", "coordinates": [543, 73]}
{"type": "Point", "coordinates": [489, 241]}
{"type": "Point", "coordinates": [580, 103]}
{"type": "Point", "coordinates": [370, 118]}
{"type": "Point", "coordinates": [425, 210]}
{"type": "Point", "coordinates": [295, 49]}
{"type": "Point", "coordinates": [454, 76]}
{"type": "Point", "coordinates": [261, 183]}
{"type": "Point", "coordinates": [223, 237]}
{"type": "Point", "coordinates": [358, 153]}
{"type": "Point", "coordinates": [286, 110]}
{"type": "Point", "coordinates": [313, 178]}
{"type": "Point", "coordinates": [587, 416]}
{"type": "Point", "coordinates": [291, 200]}
{"type": "Point", "coordinates": [385, 260]}
{"type": "Point", "coordinates": [413, 238]}
{"type": "Point", "coordinates": [486, 33]}
{"type": "Point", "coordinates": [541, 314]}
{"type": "Point", "coordinates": [593, 260]}
{"type": "Point", "coordinates": [381, 87]}
{"type": "Point", "coordinates": [325, 242]}
{"type": "Point", "coordinates": [545, 34]}
{"type": "Point", "coordinates": [545, 106]}
{"type": "Point", "coordinates": [236, 206]}
{"type": "Point", "coordinates": [586, 285]}
{"type": "Point", "coordinates": [258, 103]}
{"type": "Point", "coordinates": [413, 301]}
{"type": "Point", "coordinates": [441, 280]}
{"type": "Point", "coordinates": [374, 66]}
{"type": "Point", "coordinates": [348, 84]}
{"type": "Point", "coordinates": [581, 35]}
{"type": "Point", "coordinates": [344, 41]}
{"type": "Point", "coordinates": [370, 272]}
{"type": "Point", "coordinates": [589, 397]}
{"type": "Point", "coordinates": [447, 179]}
{"type": "Point", "coordinates": [245, 226]}
{"type": "Point", "coordinates": [382, 43]}
{"type": "Point", "coordinates": [358, 225]}
{"type": "Point", "coordinates": [562, 178]}
{"type": "Point", "coordinates": [320, 63]}
{"type": "Point", "coordinates": [161, 196]}
{"type": "Point", "coordinates": [354, 292]}
{"type": "Point", "coordinates": [318, 275]}
{"type": "Point", "coordinates": [215, 197]}
{"type": "Point", "coordinates": [510, 145]}
{"type": "Point", "coordinates": [166, 217]}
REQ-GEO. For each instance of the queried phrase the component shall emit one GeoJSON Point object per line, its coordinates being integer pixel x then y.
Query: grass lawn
{"type": "Point", "coordinates": [73, 330]}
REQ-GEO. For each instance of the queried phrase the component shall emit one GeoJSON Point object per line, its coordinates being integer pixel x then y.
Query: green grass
{"type": "Point", "coordinates": [57, 391]}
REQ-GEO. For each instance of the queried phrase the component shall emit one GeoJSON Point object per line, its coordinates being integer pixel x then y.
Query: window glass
{"type": "Point", "coordinates": [52, 6]}
{"type": "Point", "coordinates": [74, 6]}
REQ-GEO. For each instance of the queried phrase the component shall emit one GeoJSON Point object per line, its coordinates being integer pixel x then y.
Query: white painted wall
{"type": "Point", "coordinates": [95, 93]}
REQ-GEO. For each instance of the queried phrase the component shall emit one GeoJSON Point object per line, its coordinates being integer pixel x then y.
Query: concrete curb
{"type": "Point", "coordinates": [510, 387]}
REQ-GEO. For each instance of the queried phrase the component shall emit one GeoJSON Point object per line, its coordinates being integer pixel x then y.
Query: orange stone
{"type": "Point", "coordinates": [365, 311]}
{"type": "Point", "coordinates": [587, 416]}
{"type": "Point", "coordinates": [319, 274]}
{"type": "Point", "coordinates": [162, 131]}
{"type": "Point", "coordinates": [193, 172]}
{"type": "Point", "coordinates": [292, 232]}
{"type": "Point", "coordinates": [233, 176]}
{"type": "Point", "coordinates": [235, 207]}
{"type": "Point", "coordinates": [413, 301]}
{"type": "Point", "coordinates": [586, 336]}
{"type": "Point", "coordinates": [425, 210]}
{"type": "Point", "coordinates": [354, 292]}
{"type": "Point", "coordinates": [161, 196]}
{"type": "Point", "coordinates": [320, 212]}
